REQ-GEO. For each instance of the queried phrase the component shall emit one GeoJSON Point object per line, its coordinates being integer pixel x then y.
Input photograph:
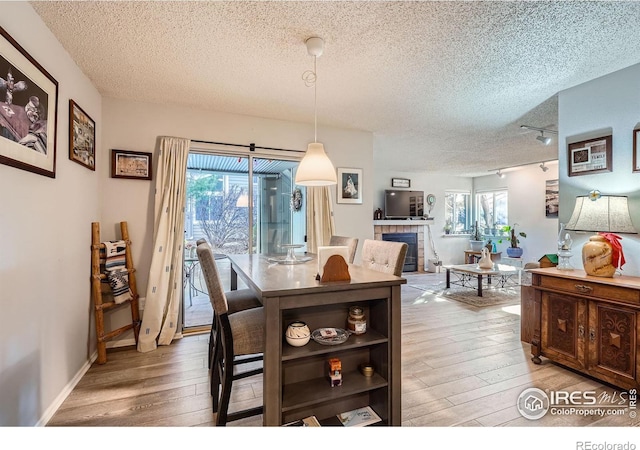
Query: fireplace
{"type": "Point", "coordinates": [411, 261]}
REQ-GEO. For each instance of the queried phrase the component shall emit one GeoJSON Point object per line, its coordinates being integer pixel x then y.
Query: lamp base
{"type": "Point", "coordinates": [564, 260]}
{"type": "Point", "coordinates": [597, 257]}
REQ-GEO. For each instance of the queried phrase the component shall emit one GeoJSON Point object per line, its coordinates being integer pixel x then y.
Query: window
{"type": "Point", "coordinates": [456, 211]}
{"type": "Point", "coordinates": [491, 211]}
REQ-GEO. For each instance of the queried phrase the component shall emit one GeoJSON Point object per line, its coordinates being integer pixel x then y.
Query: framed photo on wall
{"type": "Point", "coordinates": [551, 199]}
{"type": "Point", "coordinates": [28, 110]}
{"type": "Point", "coordinates": [591, 156]}
{"type": "Point", "coordinates": [400, 182]}
{"type": "Point", "coordinates": [133, 165]}
{"type": "Point", "coordinates": [82, 137]}
{"type": "Point", "coordinates": [349, 187]}
{"type": "Point", "coordinates": [636, 150]}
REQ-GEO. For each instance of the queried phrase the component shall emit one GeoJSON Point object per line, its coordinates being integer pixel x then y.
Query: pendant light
{"type": "Point", "coordinates": [316, 168]}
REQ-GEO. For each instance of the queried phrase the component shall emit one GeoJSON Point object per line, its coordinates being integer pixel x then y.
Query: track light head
{"type": "Point", "coordinates": [546, 140]}
{"type": "Point", "coordinates": [543, 167]}
{"type": "Point", "coordinates": [500, 174]}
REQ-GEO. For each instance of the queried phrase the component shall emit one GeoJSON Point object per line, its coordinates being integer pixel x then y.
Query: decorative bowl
{"type": "Point", "coordinates": [298, 334]}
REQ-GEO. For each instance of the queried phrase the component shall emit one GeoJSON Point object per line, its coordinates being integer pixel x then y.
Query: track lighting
{"type": "Point", "coordinates": [499, 173]}
{"type": "Point", "coordinates": [543, 167]}
{"type": "Point", "coordinates": [546, 140]}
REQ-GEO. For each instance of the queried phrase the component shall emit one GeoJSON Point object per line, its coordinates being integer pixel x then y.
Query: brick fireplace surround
{"type": "Point", "coordinates": [381, 227]}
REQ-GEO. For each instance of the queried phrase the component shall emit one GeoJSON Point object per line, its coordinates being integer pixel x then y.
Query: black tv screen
{"type": "Point", "coordinates": [403, 204]}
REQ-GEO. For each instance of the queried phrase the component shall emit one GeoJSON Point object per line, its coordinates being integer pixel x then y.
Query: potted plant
{"type": "Point", "coordinates": [513, 251]}
{"type": "Point", "coordinates": [447, 227]}
{"type": "Point", "coordinates": [476, 240]}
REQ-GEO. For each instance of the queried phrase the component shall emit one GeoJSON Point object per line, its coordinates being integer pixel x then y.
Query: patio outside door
{"type": "Point", "coordinates": [239, 204]}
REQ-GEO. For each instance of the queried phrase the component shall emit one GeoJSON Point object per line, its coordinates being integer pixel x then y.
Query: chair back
{"type": "Point", "coordinates": [350, 242]}
{"type": "Point", "coordinates": [201, 241]}
{"type": "Point", "coordinates": [212, 279]}
{"type": "Point", "coordinates": [384, 256]}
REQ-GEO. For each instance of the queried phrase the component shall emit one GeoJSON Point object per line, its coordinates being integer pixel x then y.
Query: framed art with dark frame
{"type": "Point", "coordinates": [28, 110]}
{"type": "Point", "coordinates": [636, 150]}
{"type": "Point", "coordinates": [82, 137]}
{"type": "Point", "coordinates": [552, 194]}
{"type": "Point", "coordinates": [349, 188]}
{"type": "Point", "coordinates": [128, 164]}
{"type": "Point", "coordinates": [590, 156]}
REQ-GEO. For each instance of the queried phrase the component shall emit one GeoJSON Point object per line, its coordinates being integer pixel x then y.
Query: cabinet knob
{"type": "Point", "coordinates": [583, 288]}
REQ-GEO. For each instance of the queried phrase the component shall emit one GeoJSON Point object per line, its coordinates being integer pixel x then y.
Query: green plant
{"type": "Point", "coordinates": [512, 237]}
{"type": "Point", "coordinates": [448, 226]}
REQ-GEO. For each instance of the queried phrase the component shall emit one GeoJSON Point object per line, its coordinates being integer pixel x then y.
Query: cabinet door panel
{"type": "Point", "coordinates": [612, 340]}
{"type": "Point", "coordinates": [564, 319]}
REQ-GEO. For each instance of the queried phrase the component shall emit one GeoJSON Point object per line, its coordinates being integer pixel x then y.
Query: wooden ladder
{"type": "Point", "coordinates": [101, 290]}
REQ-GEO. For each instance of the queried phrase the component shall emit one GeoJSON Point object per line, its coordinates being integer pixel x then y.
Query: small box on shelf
{"type": "Point", "coordinates": [360, 417]}
{"type": "Point", "coordinates": [335, 372]}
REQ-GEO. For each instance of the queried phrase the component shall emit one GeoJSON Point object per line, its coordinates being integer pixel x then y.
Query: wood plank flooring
{"type": "Point", "coordinates": [461, 366]}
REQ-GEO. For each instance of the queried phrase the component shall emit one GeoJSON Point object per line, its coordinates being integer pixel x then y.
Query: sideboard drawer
{"type": "Point", "coordinates": [580, 287]}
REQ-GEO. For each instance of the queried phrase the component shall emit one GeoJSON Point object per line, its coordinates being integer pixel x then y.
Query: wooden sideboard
{"type": "Point", "coordinates": [590, 324]}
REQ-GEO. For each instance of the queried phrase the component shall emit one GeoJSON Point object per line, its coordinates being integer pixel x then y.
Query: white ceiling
{"type": "Point", "coordinates": [444, 86]}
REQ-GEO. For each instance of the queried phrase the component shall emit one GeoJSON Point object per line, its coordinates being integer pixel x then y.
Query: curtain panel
{"type": "Point", "coordinates": [164, 289]}
{"type": "Point", "coordinates": [320, 222]}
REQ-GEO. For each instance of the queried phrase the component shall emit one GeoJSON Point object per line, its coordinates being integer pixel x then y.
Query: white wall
{"type": "Point", "coordinates": [45, 238]}
{"type": "Point", "coordinates": [527, 191]}
{"type": "Point", "coordinates": [607, 105]}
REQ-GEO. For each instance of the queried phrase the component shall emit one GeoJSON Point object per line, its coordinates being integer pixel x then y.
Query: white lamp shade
{"type": "Point", "coordinates": [607, 214]}
{"type": "Point", "coordinates": [316, 168]}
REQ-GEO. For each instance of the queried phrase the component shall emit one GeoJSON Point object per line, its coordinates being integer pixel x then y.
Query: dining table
{"type": "Point", "coordinates": [296, 382]}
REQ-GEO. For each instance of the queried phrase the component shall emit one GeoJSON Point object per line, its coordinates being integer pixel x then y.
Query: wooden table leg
{"type": "Point", "coordinates": [448, 278]}
{"type": "Point", "coordinates": [479, 285]}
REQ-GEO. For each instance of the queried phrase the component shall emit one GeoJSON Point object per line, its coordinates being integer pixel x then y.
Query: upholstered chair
{"type": "Point", "coordinates": [384, 256]}
{"type": "Point", "coordinates": [237, 330]}
{"type": "Point", "coordinates": [350, 242]}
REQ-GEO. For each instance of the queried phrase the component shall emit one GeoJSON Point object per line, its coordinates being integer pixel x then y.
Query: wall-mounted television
{"type": "Point", "coordinates": [399, 204]}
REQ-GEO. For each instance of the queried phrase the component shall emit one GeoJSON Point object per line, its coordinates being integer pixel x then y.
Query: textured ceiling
{"type": "Point", "coordinates": [444, 86]}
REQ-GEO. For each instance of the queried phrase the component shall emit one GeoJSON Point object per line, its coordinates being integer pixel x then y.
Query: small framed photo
{"type": "Point", "coordinates": [636, 150]}
{"type": "Point", "coordinates": [400, 182]}
{"type": "Point", "coordinates": [128, 164]}
{"type": "Point", "coordinates": [591, 156]}
{"type": "Point", "coordinates": [349, 186]}
{"type": "Point", "coordinates": [82, 137]}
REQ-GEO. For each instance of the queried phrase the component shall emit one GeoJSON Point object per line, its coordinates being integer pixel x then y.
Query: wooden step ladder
{"type": "Point", "coordinates": [101, 290]}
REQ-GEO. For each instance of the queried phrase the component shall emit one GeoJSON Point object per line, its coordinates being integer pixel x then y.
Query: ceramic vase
{"type": "Point", "coordinates": [597, 257]}
{"type": "Point", "coordinates": [485, 261]}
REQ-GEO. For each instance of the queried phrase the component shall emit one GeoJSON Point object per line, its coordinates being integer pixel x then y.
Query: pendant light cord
{"type": "Point", "coordinates": [310, 77]}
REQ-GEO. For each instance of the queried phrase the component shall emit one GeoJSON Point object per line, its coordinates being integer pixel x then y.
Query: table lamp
{"type": "Point", "coordinates": [606, 215]}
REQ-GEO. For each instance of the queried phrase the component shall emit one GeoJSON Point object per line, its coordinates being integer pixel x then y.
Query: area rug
{"type": "Point", "coordinates": [491, 296]}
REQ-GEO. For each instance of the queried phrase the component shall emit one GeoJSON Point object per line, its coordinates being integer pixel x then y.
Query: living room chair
{"type": "Point", "coordinates": [239, 339]}
{"type": "Point", "coordinates": [350, 242]}
{"type": "Point", "coordinates": [384, 256]}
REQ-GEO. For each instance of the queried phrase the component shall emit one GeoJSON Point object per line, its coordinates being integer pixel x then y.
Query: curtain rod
{"type": "Point", "coordinates": [252, 146]}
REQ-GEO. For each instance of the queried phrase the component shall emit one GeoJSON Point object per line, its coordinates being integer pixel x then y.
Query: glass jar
{"type": "Point", "coordinates": [356, 322]}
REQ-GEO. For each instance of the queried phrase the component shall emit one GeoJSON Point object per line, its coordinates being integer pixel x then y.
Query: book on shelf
{"type": "Point", "coordinates": [360, 417]}
{"type": "Point", "coordinates": [310, 421]}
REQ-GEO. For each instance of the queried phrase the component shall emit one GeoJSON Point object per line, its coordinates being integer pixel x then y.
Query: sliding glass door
{"type": "Point", "coordinates": [239, 204]}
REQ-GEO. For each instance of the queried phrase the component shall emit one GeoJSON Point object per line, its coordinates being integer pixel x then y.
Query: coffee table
{"type": "Point", "coordinates": [465, 274]}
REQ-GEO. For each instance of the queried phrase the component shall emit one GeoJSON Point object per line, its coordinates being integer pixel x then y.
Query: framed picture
{"type": "Point", "coordinates": [349, 186]}
{"type": "Point", "coordinates": [552, 196]}
{"type": "Point", "coordinates": [591, 156]}
{"type": "Point", "coordinates": [82, 137]}
{"type": "Point", "coordinates": [636, 150]}
{"type": "Point", "coordinates": [400, 182]}
{"type": "Point", "coordinates": [28, 110]}
{"type": "Point", "coordinates": [128, 164]}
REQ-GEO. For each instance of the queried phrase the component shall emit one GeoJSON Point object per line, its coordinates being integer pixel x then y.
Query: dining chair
{"type": "Point", "coordinates": [350, 242]}
{"type": "Point", "coordinates": [384, 256]}
{"type": "Point", "coordinates": [239, 340]}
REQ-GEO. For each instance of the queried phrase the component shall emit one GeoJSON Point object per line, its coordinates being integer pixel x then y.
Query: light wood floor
{"type": "Point", "coordinates": [462, 366]}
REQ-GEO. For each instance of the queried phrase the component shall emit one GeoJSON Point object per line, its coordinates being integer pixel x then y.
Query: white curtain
{"type": "Point", "coordinates": [164, 289]}
{"type": "Point", "coordinates": [320, 223]}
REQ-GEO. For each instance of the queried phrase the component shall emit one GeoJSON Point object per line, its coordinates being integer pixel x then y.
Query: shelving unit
{"type": "Point", "coordinates": [296, 379]}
